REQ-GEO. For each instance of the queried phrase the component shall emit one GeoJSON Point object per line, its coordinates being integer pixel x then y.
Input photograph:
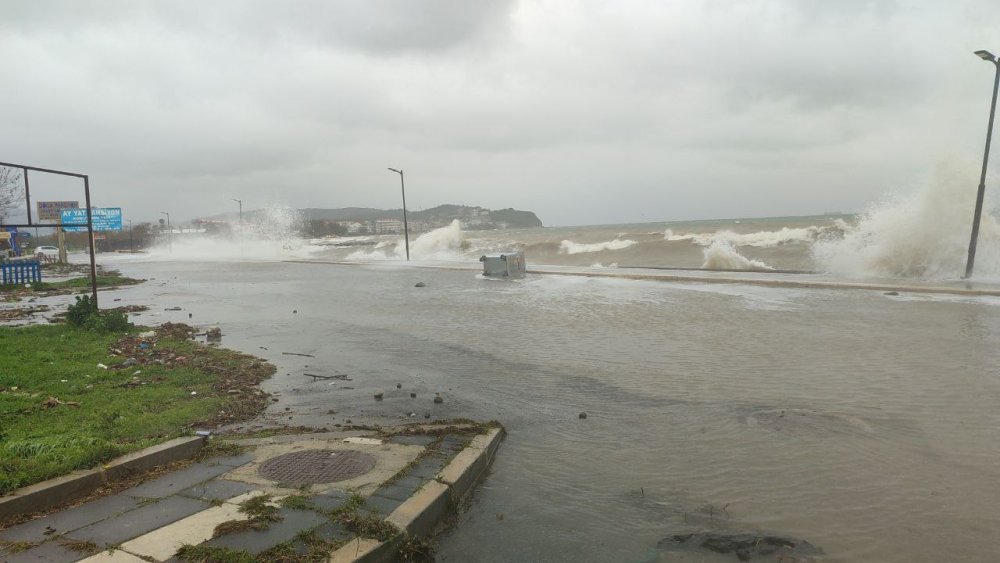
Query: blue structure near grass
{"type": "Point", "coordinates": [20, 272]}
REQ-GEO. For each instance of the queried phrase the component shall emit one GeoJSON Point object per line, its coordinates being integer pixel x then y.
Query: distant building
{"type": "Point", "coordinates": [388, 226]}
{"type": "Point", "coordinates": [353, 227]}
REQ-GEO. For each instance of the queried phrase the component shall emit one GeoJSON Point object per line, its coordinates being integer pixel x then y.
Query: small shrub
{"type": "Point", "coordinates": [81, 311]}
{"type": "Point", "coordinates": [84, 314]}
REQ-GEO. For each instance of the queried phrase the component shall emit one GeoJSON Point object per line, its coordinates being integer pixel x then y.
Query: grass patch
{"type": "Point", "coordinates": [260, 508]}
{"type": "Point", "coordinates": [220, 448]}
{"type": "Point", "coordinates": [363, 524]}
{"type": "Point", "coordinates": [84, 547]}
{"type": "Point", "coordinates": [415, 549]}
{"type": "Point", "coordinates": [12, 547]}
{"type": "Point", "coordinates": [59, 411]}
{"type": "Point", "coordinates": [298, 502]}
{"type": "Point", "coordinates": [207, 554]}
{"type": "Point", "coordinates": [261, 515]}
{"type": "Point", "coordinates": [105, 278]}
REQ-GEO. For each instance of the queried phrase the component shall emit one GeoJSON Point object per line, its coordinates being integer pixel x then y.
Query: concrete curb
{"type": "Point", "coordinates": [466, 468]}
{"type": "Point", "coordinates": [420, 513]}
{"type": "Point", "coordinates": [47, 494]}
{"type": "Point", "coordinates": [711, 279]}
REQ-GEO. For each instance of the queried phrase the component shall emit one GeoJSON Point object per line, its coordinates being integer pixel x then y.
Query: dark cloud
{"type": "Point", "coordinates": [581, 111]}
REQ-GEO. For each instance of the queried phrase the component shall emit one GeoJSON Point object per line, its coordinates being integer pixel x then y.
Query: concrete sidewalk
{"type": "Point", "coordinates": [314, 494]}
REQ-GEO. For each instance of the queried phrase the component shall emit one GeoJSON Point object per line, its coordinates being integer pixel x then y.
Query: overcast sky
{"type": "Point", "coordinates": [582, 111]}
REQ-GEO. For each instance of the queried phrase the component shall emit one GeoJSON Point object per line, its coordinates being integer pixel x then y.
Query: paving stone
{"type": "Point", "coordinates": [417, 440]}
{"type": "Point", "coordinates": [217, 489]}
{"type": "Point", "coordinates": [333, 531]}
{"type": "Point", "coordinates": [114, 556]}
{"type": "Point", "coordinates": [231, 461]}
{"type": "Point", "coordinates": [401, 489]}
{"type": "Point", "coordinates": [70, 519]}
{"type": "Point", "coordinates": [254, 541]}
{"type": "Point", "coordinates": [48, 552]}
{"type": "Point", "coordinates": [428, 467]}
{"type": "Point", "coordinates": [382, 505]}
{"type": "Point", "coordinates": [126, 526]}
{"type": "Point", "coordinates": [330, 499]}
{"type": "Point", "coordinates": [164, 542]}
{"type": "Point", "coordinates": [327, 531]}
{"type": "Point", "coordinates": [453, 443]}
{"type": "Point", "coordinates": [178, 480]}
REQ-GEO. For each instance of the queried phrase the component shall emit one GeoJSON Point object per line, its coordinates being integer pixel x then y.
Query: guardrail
{"type": "Point", "coordinates": [20, 272]}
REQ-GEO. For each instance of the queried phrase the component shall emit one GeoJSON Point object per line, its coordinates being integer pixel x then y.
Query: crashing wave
{"type": "Point", "coordinates": [570, 247]}
{"type": "Point", "coordinates": [722, 255]}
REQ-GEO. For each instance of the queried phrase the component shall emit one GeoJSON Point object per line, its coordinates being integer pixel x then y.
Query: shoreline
{"type": "Point", "coordinates": [724, 277]}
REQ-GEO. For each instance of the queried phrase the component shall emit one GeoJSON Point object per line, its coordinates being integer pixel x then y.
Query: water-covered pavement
{"type": "Point", "coordinates": [860, 422]}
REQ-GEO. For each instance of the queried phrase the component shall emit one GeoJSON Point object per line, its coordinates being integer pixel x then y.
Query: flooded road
{"type": "Point", "coordinates": [864, 423]}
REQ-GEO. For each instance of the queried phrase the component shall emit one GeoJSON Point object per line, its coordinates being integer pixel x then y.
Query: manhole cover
{"type": "Point", "coordinates": [317, 466]}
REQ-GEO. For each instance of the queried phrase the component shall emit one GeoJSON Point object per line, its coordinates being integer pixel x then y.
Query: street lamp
{"type": "Point", "coordinates": [986, 56]}
{"type": "Point", "coordinates": [406, 227]}
{"type": "Point", "coordinates": [170, 231]}
{"type": "Point", "coordinates": [240, 201]}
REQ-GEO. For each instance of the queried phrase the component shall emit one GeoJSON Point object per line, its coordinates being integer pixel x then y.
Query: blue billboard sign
{"type": "Point", "coordinates": [105, 219]}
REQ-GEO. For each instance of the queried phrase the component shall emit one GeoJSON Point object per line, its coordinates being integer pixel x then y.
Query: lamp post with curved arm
{"type": "Point", "coordinates": [406, 227]}
{"type": "Point", "coordinates": [970, 263]}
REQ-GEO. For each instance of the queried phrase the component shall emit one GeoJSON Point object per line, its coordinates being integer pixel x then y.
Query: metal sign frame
{"type": "Point", "coordinates": [90, 219]}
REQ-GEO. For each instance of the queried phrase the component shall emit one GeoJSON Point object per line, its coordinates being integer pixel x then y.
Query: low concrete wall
{"type": "Point", "coordinates": [47, 494]}
{"type": "Point", "coordinates": [419, 514]}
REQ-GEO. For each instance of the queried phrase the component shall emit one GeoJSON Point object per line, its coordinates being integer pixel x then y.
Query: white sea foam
{"type": "Point", "coordinates": [924, 234]}
{"type": "Point", "coordinates": [270, 236]}
{"type": "Point", "coordinates": [447, 243]}
{"type": "Point", "coordinates": [570, 247]}
{"type": "Point", "coordinates": [759, 239]}
{"type": "Point", "coordinates": [722, 255]}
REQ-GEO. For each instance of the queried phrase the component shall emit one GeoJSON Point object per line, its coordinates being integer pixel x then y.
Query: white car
{"type": "Point", "coordinates": [46, 252]}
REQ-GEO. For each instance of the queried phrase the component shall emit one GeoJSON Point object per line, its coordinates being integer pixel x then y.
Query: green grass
{"type": "Point", "coordinates": [105, 278]}
{"type": "Point", "coordinates": [60, 361]}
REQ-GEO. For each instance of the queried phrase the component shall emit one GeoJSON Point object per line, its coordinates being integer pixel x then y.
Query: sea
{"type": "Point", "coordinates": [854, 424]}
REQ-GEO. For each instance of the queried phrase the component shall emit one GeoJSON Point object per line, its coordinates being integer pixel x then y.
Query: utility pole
{"type": "Point", "coordinates": [971, 261]}
{"type": "Point", "coordinates": [406, 227]}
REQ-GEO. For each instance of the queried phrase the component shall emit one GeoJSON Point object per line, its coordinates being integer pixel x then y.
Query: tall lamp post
{"type": "Point", "coordinates": [170, 231]}
{"type": "Point", "coordinates": [406, 227]}
{"type": "Point", "coordinates": [986, 56]}
{"type": "Point", "coordinates": [131, 242]}
{"type": "Point", "coordinates": [240, 201]}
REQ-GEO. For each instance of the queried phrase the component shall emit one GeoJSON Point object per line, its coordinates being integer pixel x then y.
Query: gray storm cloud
{"type": "Point", "coordinates": [585, 112]}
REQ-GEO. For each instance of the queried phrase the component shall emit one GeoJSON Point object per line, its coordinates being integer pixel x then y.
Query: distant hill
{"type": "Point", "coordinates": [474, 217]}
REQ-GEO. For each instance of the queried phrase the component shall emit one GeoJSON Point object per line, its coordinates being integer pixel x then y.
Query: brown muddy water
{"type": "Point", "coordinates": [865, 424]}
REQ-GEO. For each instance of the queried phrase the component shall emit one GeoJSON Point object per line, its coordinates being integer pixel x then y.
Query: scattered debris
{"type": "Point", "coordinates": [744, 546]}
{"type": "Point", "coordinates": [438, 400]}
{"type": "Point", "coordinates": [413, 395]}
{"type": "Point", "coordinates": [173, 309]}
{"type": "Point", "coordinates": [891, 293]}
{"type": "Point", "coordinates": [583, 415]}
{"type": "Point", "coordinates": [420, 284]}
{"type": "Point", "coordinates": [399, 386]}
{"type": "Point", "coordinates": [54, 402]}
{"type": "Point", "coordinates": [214, 334]}
{"type": "Point", "coordinates": [378, 396]}
{"type": "Point", "coordinates": [297, 354]}
{"type": "Point", "coordinates": [20, 313]}
{"type": "Point", "coordinates": [339, 376]}
{"type": "Point", "coordinates": [102, 366]}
